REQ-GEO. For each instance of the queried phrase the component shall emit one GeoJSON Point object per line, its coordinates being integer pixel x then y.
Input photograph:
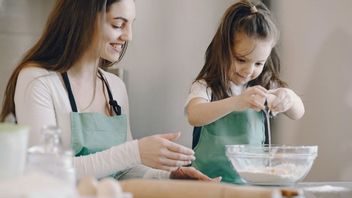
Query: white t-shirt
{"type": "Point", "coordinates": [41, 99]}
{"type": "Point", "coordinates": [200, 89]}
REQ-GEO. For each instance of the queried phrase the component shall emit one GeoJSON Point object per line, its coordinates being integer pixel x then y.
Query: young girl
{"type": "Point", "coordinates": [240, 73]}
{"type": "Point", "coordinates": [60, 82]}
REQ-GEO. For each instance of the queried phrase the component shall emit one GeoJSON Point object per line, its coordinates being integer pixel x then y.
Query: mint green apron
{"type": "Point", "coordinates": [94, 132]}
{"type": "Point", "coordinates": [246, 127]}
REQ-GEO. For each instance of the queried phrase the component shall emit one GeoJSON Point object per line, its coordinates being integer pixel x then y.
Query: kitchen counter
{"type": "Point", "coordinates": [317, 190]}
{"type": "Point", "coordinates": [304, 189]}
{"type": "Point", "coordinates": [326, 189]}
{"type": "Point", "coordinates": [39, 184]}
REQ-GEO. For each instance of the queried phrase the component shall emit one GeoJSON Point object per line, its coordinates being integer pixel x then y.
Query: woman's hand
{"type": "Point", "coordinates": [254, 98]}
{"type": "Point", "coordinates": [191, 173]}
{"type": "Point", "coordinates": [160, 152]}
{"type": "Point", "coordinates": [280, 100]}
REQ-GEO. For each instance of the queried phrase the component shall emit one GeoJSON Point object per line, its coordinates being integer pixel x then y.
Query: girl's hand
{"type": "Point", "coordinates": [160, 152]}
{"type": "Point", "coordinates": [254, 98]}
{"type": "Point", "coordinates": [191, 173]}
{"type": "Point", "coordinates": [280, 100]}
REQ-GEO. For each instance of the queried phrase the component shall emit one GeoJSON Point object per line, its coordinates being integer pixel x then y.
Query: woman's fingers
{"type": "Point", "coordinates": [159, 152]}
{"type": "Point", "coordinates": [176, 155]}
{"type": "Point", "coordinates": [177, 148]}
{"type": "Point", "coordinates": [167, 164]}
{"type": "Point", "coordinates": [170, 136]}
{"type": "Point", "coordinates": [174, 163]}
{"type": "Point", "coordinates": [167, 168]}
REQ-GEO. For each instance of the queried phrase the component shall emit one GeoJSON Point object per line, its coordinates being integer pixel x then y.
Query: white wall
{"type": "Point", "coordinates": [316, 53]}
{"type": "Point", "coordinates": [166, 54]}
{"type": "Point", "coordinates": [21, 22]}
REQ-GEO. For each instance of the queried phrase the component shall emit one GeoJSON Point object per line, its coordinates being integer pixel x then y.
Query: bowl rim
{"type": "Point", "coordinates": [272, 145]}
{"type": "Point", "coordinates": [312, 148]}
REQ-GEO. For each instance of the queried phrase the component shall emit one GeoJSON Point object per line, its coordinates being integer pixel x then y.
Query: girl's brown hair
{"type": "Point", "coordinates": [255, 21]}
{"type": "Point", "coordinates": [66, 37]}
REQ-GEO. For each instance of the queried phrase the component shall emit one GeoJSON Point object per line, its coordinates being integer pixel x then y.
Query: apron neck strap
{"type": "Point", "coordinates": [113, 103]}
{"type": "Point", "coordinates": [69, 91]}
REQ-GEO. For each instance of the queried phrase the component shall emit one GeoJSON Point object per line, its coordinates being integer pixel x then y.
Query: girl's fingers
{"type": "Point", "coordinates": [257, 102]}
{"type": "Point", "coordinates": [192, 173]}
{"type": "Point", "coordinates": [198, 175]}
{"type": "Point", "coordinates": [260, 88]}
{"type": "Point", "coordinates": [261, 91]}
{"type": "Point", "coordinates": [281, 105]}
{"type": "Point", "coordinates": [217, 179]}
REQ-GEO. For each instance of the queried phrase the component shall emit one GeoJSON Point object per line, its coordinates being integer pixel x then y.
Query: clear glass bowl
{"type": "Point", "coordinates": [271, 165]}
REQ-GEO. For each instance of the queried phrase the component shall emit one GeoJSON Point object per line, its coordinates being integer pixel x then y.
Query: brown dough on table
{"type": "Point", "coordinates": [141, 188]}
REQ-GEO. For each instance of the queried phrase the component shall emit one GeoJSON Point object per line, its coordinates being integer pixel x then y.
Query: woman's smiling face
{"type": "Point", "coordinates": [117, 29]}
{"type": "Point", "coordinates": [249, 57]}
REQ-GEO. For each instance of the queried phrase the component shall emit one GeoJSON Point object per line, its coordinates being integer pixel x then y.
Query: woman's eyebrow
{"type": "Point", "coordinates": [121, 18]}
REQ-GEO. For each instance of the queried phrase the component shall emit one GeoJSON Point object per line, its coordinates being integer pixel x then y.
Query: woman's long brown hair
{"type": "Point", "coordinates": [257, 24]}
{"type": "Point", "coordinates": [67, 35]}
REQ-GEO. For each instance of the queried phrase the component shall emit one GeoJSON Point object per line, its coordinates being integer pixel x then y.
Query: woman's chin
{"type": "Point", "coordinates": [112, 58]}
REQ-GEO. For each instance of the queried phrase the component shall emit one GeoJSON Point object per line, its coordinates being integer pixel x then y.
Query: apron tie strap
{"type": "Point", "coordinates": [113, 103]}
{"type": "Point", "coordinates": [116, 107]}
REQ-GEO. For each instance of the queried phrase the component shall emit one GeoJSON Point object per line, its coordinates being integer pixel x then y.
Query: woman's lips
{"type": "Point", "coordinates": [116, 46]}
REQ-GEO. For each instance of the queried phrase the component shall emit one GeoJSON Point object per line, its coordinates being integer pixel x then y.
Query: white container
{"type": "Point", "coordinates": [13, 147]}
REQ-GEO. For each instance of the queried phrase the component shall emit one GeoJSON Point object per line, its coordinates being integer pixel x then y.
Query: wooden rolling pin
{"type": "Point", "coordinates": [194, 189]}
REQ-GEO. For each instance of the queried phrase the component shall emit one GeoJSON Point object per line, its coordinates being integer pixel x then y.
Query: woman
{"type": "Point", "coordinates": [60, 82]}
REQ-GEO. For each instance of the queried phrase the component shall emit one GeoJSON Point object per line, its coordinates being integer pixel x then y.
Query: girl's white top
{"type": "Point", "coordinates": [200, 89]}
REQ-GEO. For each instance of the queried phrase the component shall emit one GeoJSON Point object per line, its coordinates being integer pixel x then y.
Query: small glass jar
{"type": "Point", "coordinates": [50, 157]}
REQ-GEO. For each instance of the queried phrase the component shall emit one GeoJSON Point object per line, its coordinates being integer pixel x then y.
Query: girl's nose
{"type": "Point", "coordinates": [248, 70]}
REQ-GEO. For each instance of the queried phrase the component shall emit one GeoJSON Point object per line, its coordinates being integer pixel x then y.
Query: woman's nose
{"type": "Point", "coordinates": [127, 34]}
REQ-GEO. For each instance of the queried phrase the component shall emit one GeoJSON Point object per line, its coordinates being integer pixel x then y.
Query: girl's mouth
{"type": "Point", "coordinates": [242, 77]}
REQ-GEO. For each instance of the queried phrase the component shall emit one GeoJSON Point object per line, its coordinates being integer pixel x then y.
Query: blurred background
{"type": "Point", "coordinates": [167, 52]}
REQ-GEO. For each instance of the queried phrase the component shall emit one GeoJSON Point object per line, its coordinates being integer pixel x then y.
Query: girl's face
{"type": "Point", "coordinates": [249, 57]}
{"type": "Point", "coordinates": [117, 29]}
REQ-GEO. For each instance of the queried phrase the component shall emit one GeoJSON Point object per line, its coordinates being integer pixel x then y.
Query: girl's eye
{"type": "Point", "coordinates": [259, 64]}
{"type": "Point", "coordinates": [240, 60]}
